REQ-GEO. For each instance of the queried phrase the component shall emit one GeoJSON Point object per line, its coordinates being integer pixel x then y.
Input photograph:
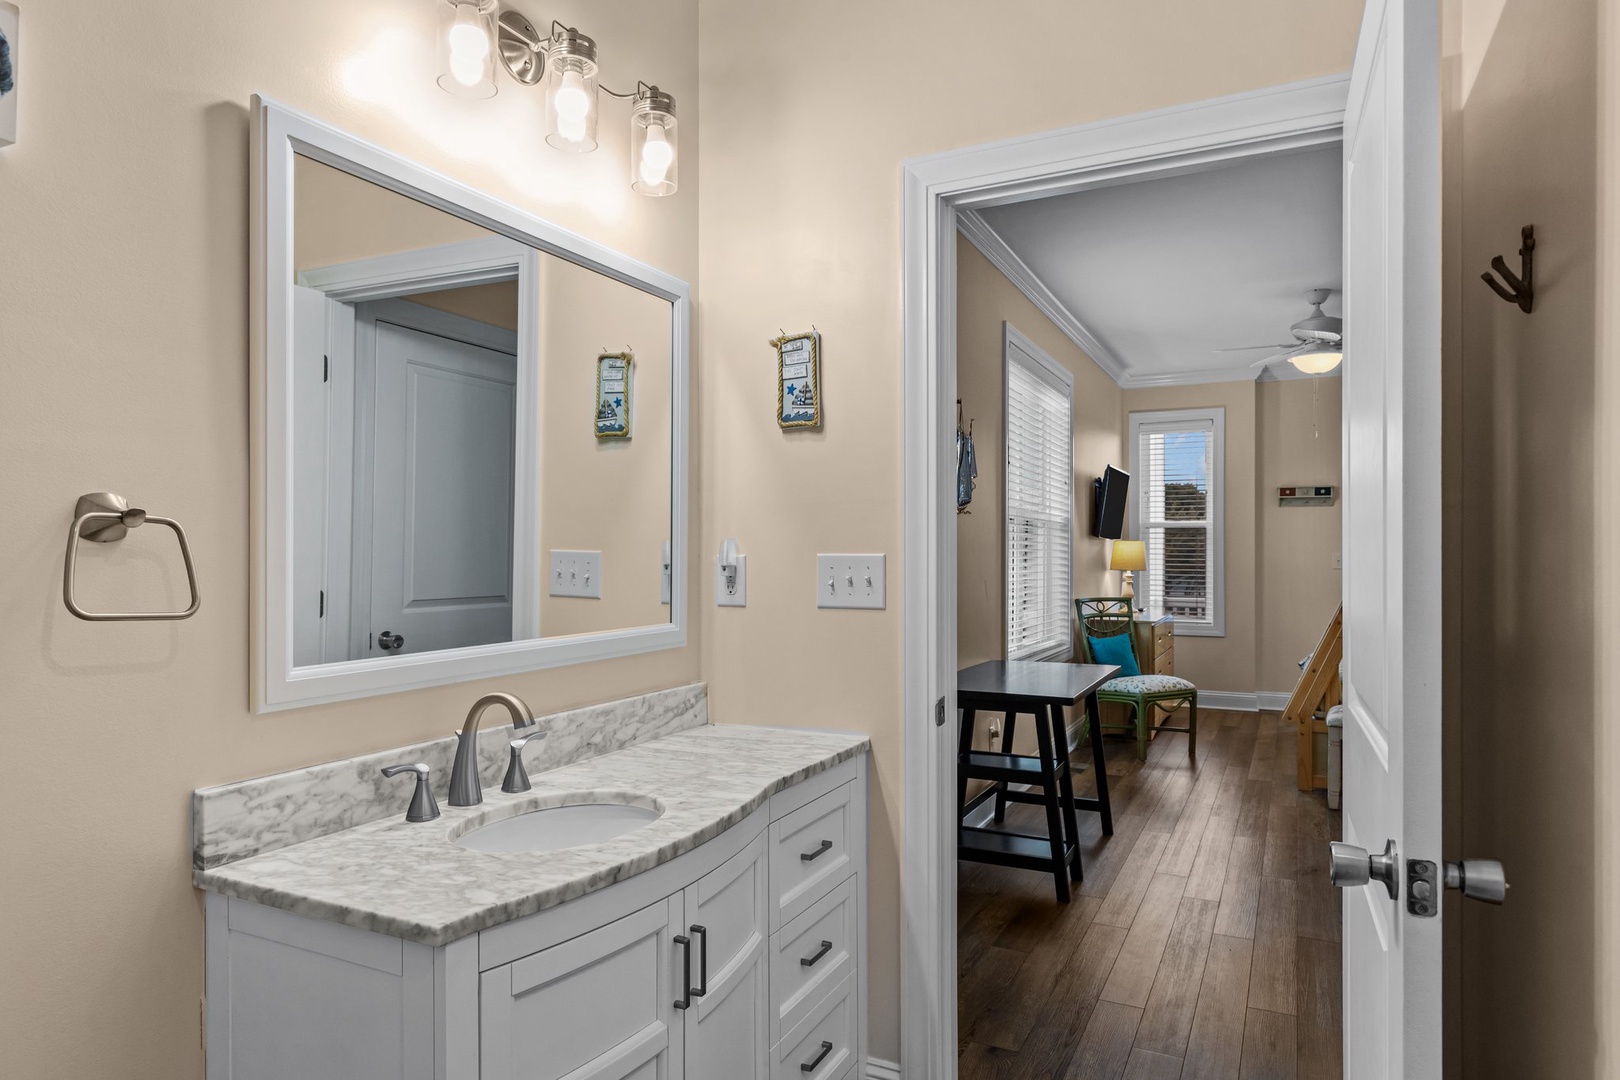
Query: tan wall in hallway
{"type": "Point", "coordinates": [1296, 548]}
{"type": "Point", "coordinates": [123, 365]}
{"type": "Point", "coordinates": [801, 224]}
{"type": "Point", "coordinates": [1538, 974]}
{"type": "Point", "coordinates": [984, 300]}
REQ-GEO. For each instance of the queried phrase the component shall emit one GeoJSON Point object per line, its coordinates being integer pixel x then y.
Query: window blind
{"type": "Point", "coordinates": [1176, 508]}
{"type": "Point", "coordinates": [1039, 509]}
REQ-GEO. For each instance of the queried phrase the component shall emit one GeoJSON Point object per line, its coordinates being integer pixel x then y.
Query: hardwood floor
{"type": "Point", "coordinates": [1202, 945]}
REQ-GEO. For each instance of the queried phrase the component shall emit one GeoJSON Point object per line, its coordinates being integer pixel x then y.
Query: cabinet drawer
{"type": "Point", "coordinates": [825, 1039]}
{"type": "Point", "coordinates": [810, 854]}
{"type": "Point", "coordinates": [1164, 662]}
{"type": "Point", "coordinates": [811, 955]}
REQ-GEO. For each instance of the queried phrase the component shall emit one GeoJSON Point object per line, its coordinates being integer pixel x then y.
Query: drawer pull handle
{"type": "Point", "coordinates": [810, 1066]}
{"type": "Point", "coordinates": [685, 1001]}
{"type": "Point", "coordinates": [702, 988]}
{"type": "Point", "coordinates": [826, 846]}
{"type": "Point", "coordinates": [812, 961]}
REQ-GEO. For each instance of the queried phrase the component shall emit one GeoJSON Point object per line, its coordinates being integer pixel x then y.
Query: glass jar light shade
{"type": "Point", "coordinates": [1317, 361]}
{"type": "Point", "coordinates": [654, 158]}
{"type": "Point", "coordinates": [467, 47]}
{"type": "Point", "coordinates": [571, 92]}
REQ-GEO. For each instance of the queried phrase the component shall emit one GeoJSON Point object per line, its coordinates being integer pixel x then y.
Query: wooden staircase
{"type": "Point", "coordinates": [1318, 690]}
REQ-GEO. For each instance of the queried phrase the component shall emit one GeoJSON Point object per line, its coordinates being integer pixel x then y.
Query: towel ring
{"type": "Point", "coordinates": [107, 518]}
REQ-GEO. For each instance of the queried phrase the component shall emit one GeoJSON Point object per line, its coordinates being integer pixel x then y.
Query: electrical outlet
{"type": "Point", "coordinates": [850, 581]}
{"type": "Point", "coordinates": [576, 573]}
{"type": "Point", "coordinates": [731, 586]}
{"type": "Point", "coordinates": [665, 588]}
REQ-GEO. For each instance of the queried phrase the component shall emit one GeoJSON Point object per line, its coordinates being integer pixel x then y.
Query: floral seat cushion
{"type": "Point", "coordinates": [1147, 684]}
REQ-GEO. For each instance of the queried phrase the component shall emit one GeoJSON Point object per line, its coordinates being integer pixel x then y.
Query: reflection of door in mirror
{"type": "Point", "coordinates": [405, 401]}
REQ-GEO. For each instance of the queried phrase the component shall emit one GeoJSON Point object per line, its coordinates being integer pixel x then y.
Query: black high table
{"type": "Point", "coordinates": [1040, 689]}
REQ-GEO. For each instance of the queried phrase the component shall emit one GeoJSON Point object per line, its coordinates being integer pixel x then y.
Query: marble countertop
{"type": "Point", "coordinates": [410, 880]}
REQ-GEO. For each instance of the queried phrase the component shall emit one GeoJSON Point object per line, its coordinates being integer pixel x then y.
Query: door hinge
{"type": "Point", "coordinates": [326, 368]}
{"type": "Point", "coordinates": [323, 604]}
{"type": "Point", "coordinates": [939, 713]}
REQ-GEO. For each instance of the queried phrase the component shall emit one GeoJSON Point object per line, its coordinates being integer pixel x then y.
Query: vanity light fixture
{"type": "Point", "coordinates": [565, 60]}
{"type": "Point", "coordinates": [652, 142]}
{"type": "Point", "coordinates": [466, 47]}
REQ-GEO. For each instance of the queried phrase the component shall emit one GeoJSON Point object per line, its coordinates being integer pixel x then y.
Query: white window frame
{"type": "Point", "coordinates": [1062, 380]}
{"type": "Point", "coordinates": [1216, 417]}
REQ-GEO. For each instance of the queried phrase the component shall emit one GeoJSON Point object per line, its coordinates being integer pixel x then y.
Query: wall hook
{"type": "Point", "coordinates": [1521, 288]}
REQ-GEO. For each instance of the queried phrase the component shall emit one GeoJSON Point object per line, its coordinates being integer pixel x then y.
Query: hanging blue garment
{"type": "Point", "coordinates": [967, 468]}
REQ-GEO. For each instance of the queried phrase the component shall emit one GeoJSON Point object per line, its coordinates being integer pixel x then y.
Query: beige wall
{"type": "Point", "coordinates": [801, 204]}
{"type": "Point", "coordinates": [1297, 579]}
{"type": "Point", "coordinates": [1538, 409]}
{"type": "Point", "coordinates": [123, 366]}
{"type": "Point", "coordinates": [607, 495]}
{"type": "Point", "coordinates": [985, 299]}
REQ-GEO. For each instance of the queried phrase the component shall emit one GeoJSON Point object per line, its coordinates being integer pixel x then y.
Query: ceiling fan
{"type": "Point", "coordinates": [1318, 343]}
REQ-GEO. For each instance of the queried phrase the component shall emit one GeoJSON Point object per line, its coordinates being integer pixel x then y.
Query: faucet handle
{"type": "Point", "coordinates": [517, 777]}
{"type": "Point", "coordinates": [424, 807]}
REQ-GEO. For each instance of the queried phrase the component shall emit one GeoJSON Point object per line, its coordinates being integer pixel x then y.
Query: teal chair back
{"type": "Point", "coordinates": [1104, 617]}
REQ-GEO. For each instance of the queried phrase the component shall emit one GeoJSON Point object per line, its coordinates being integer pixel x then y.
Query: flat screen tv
{"type": "Point", "coordinates": [1108, 512]}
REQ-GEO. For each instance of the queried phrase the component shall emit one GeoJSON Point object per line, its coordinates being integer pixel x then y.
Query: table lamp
{"type": "Point", "coordinates": [1128, 555]}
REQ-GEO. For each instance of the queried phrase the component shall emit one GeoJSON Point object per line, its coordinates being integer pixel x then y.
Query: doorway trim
{"type": "Point", "coordinates": [935, 188]}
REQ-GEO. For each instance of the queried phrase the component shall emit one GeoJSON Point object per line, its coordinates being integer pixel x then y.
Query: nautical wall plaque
{"type": "Point", "coordinates": [798, 379]}
{"type": "Point", "coordinates": [613, 385]}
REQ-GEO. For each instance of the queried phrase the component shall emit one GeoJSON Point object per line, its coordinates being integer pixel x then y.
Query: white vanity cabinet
{"type": "Point", "coordinates": [743, 958]}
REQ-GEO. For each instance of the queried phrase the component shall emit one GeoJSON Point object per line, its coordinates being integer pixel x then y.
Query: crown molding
{"type": "Point", "coordinates": [979, 233]}
{"type": "Point", "coordinates": [971, 224]}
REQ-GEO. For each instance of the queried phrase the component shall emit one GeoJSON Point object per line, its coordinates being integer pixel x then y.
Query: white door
{"type": "Point", "coordinates": [441, 520]}
{"type": "Point", "coordinates": [1392, 624]}
{"type": "Point", "coordinates": [728, 921]}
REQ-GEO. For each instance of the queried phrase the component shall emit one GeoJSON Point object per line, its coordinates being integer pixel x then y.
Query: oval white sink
{"type": "Point", "coordinates": [551, 828]}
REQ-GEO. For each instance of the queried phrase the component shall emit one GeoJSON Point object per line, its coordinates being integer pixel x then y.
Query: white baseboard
{"type": "Point", "coordinates": [1270, 701]}
{"type": "Point", "coordinates": [878, 1069]}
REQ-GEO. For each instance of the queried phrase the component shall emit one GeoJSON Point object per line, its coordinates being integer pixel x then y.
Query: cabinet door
{"type": "Point", "coordinates": [728, 1027]}
{"type": "Point", "coordinates": [598, 1007]}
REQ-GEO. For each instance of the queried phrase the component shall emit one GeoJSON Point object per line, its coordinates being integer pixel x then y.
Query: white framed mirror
{"type": "Point", "coordinates": [470, 430]}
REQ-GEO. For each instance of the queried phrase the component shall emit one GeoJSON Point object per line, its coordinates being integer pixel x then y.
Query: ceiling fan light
{"type": "Point", "coordinates": [1317, 361]}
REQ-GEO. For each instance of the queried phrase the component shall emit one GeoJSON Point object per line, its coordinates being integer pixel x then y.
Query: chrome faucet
{"type": "Point", "coordinates": [464, 787]}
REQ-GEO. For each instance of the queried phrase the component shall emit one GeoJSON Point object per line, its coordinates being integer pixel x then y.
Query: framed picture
{"type": "Point", "coordinates": [798, 379]}
{"type": "Point", "coordinates": [8, 73]}
{"type": "Point", "coordinates": [613, 387]}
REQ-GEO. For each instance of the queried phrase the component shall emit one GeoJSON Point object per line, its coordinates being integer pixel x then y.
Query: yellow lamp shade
{"type": "Point", "coordinates": [1128, 555]}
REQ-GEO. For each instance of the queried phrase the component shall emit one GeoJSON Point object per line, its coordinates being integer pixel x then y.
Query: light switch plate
{"type": "Point", "coordinates": [576, 573]}
{"type": "Point", "coordinates": [851, 581]}
{"type": "Point", "coordinates": [733, 594]}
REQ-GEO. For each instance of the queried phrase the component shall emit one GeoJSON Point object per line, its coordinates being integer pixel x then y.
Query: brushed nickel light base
{"type": "Point", "coordinates": [522, 48]}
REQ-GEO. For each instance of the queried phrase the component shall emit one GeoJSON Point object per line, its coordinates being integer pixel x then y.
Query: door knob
{"type": "Point", "coordinates": [1350, 865]}
{"type": "Point", "coordinates": [388, 641]}
{"type": "Point", "coordinates": [1478, 879]}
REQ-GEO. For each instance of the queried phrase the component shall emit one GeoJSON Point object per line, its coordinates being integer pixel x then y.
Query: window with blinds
{"type": "Point", "coordinates": [1039, 497]}
{"type": "Point", "coordinates": [1178, 466]}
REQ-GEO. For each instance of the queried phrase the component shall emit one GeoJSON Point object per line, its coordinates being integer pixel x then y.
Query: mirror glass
{"type": "Point", "coordinates": [480, 439]}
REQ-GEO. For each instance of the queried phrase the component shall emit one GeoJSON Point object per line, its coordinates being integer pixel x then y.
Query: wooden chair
{"type": "Point", "coordinates": [1110, 616]}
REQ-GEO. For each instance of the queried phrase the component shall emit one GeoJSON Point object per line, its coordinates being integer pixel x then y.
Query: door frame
{"type": "Point", "coordinates": [935, 189]}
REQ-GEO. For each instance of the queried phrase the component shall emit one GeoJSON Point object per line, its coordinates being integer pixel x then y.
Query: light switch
{"type": "Point", "coordinates": [576, 573]}
{"type": "Point", "coordinates": [850, 581]}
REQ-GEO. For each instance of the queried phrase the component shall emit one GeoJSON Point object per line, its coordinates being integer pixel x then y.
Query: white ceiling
{"type": "Point", "coordinates": [1159, 273]}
